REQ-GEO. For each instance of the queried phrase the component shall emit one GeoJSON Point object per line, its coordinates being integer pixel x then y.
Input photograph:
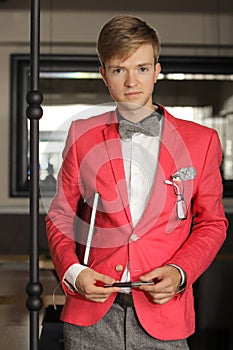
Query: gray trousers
{"type": "Point", "coordinates": [119, 329]}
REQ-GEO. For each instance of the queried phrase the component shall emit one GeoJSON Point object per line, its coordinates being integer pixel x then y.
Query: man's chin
{"type": "Point", "coordinates": [128, 106]}
{"type": "Point", "coordinates": [133, 111]}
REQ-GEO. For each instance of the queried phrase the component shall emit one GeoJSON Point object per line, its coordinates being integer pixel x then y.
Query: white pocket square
{"type": "Point", "coordinates": [185, 173]}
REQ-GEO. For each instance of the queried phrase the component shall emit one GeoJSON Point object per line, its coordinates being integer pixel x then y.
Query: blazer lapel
{"type": "Point", "coordinates": [165, 167]}
{"type": "Point", "coordinates": [114, 151]}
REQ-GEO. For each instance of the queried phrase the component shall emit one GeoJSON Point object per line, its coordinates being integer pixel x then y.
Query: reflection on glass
{"type": "Point", "coordinates": [223, 125]}
{"type": "Point", "coordinates": [53, 132]}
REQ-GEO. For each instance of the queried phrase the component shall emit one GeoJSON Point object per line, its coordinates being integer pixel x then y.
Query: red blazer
{"type": "Point", "coordinates": [93, 162]}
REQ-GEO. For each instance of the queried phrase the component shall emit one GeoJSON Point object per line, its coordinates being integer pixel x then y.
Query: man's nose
{"type": "Point", "coordinates": [131, 79]}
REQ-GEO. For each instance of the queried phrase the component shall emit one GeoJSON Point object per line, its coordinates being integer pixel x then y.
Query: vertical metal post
{"type": "Point", "coordinates": [34, 113]}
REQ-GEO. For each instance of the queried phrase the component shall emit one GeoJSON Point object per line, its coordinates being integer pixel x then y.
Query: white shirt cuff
{"type": "Point", "coordinates": [71, 275]}
{"type": "Point", "coordinates": [183, 277]}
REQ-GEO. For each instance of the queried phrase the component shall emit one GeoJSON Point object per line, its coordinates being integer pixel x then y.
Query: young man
{"type": "Point", "coordinates": [159, 217]}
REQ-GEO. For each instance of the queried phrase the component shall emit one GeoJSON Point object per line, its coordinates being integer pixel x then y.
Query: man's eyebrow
{"type": "Point", "coordinates": [138, 65]}
{"type": "Point", "coordinates": [115, 66]}
{"type": "Point", "coordinates": [145, 64]}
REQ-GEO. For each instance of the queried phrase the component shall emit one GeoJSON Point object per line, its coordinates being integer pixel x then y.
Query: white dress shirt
{"type": "Point", "coordinates": [140, 155]}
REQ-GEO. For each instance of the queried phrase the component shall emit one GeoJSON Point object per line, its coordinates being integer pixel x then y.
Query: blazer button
{"type": "Point", "coordinates": [119, 268]}
{"type": "Point", "coordinates": [134, 237]}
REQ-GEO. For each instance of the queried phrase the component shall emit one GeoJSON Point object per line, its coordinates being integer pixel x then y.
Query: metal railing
{"type": "Point", "coordinates": [34, 113]}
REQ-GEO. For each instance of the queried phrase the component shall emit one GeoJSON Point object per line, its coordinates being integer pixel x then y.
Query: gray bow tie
{"type": "Point", "coordinates": [149, 126]}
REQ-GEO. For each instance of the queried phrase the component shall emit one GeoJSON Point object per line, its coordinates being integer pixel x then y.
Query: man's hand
{"type": "Point", "coordinates": [168, 278]}
{"type": "Point", "coordinates": [90, 285]}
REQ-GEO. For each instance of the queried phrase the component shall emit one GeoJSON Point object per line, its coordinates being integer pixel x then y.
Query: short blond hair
{"type": "Point", "coordinates": [123, 35]}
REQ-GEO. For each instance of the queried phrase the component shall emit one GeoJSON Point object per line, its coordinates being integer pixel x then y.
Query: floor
{"type": "Point", "coordinates": [14, 316]}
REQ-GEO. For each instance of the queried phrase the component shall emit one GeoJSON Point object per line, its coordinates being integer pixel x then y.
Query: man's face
{"type": "Point", "coordinates": [131, 81]}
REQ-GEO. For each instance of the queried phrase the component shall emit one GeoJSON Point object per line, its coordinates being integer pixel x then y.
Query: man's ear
{"type": "Point", "coordinates": [157, 71]}
{"type": "Point", "coordinates": [103, 74]}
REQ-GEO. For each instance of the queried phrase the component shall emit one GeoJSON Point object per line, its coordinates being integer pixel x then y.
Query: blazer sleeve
{"type": "Point", "coordinates": [62, 212]}
{"type": "Point", "coordinates": [209, 221]}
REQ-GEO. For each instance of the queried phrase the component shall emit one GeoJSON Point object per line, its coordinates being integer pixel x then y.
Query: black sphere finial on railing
{"type": "Point", "coordinates": [34, 109]}
{"type": "Point", "coordinates": [34, 302]}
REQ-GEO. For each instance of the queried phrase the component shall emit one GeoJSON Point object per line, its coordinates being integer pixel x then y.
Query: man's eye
{"type": "Point", "coordinates": [117, 70]}
{"type": "Point", "coordinates": [143, 69]}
